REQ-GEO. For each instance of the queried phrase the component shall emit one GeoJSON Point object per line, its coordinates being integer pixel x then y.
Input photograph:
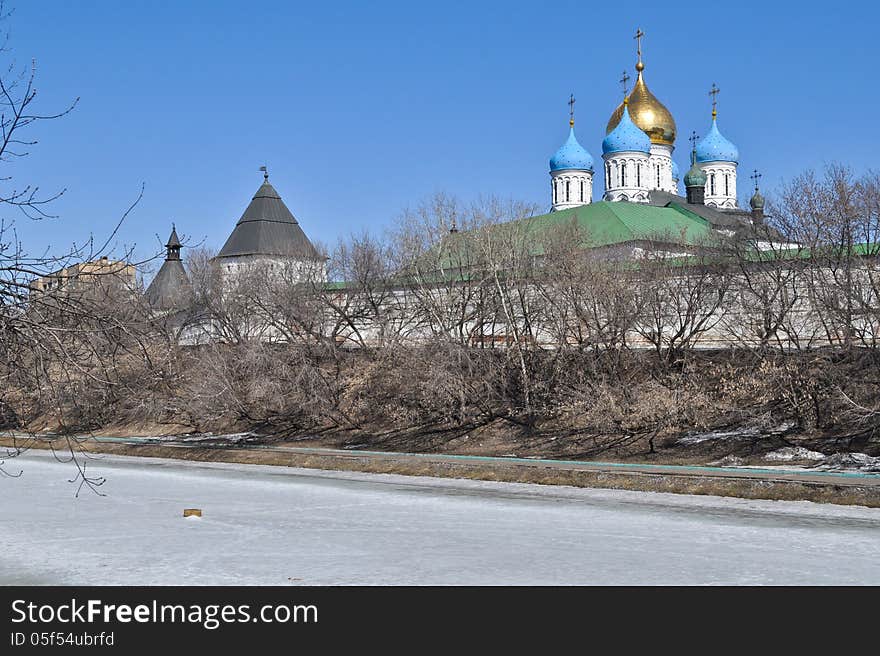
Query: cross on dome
{"type": "Point", "coordinates": [756, 176]}
{"type": "Point", "coordinates": [638, 37]}
{"type": "Point", "coordinates": [714, 93]}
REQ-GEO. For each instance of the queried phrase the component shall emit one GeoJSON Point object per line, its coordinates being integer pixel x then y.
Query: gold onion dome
{"type": "Point", "coordinates": [646, 112]}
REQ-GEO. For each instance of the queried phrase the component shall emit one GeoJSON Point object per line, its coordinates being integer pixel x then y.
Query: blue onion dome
{"type": "Point", "coordinates": [571, 156]}
{"type": "Point", "coordinates": [676, 173]}
{"type": "Point", "coordinates": [626, 137]}
{"type": "Point", "coordinates": [714, 147]}
{"type": "Point", "coordinates": [695, 176]}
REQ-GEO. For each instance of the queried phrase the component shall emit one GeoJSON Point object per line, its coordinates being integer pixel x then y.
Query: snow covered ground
{"type": "Point", "coordinates": [276, 525]}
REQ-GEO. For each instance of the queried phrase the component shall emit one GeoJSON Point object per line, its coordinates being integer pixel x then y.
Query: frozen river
{"type": "Point", "coordinates": [275, 525]}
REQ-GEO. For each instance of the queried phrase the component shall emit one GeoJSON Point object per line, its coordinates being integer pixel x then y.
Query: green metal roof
{"type": "Point", "coordinates": [606, 223]}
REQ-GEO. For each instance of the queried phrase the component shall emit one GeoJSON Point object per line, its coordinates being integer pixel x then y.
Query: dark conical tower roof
{"type": "Point", "coordinates": [267, 227]}
{"type": "Point", "coordinates": [173, 241]}
{"type": "Point", "coordinates": [170, 288]}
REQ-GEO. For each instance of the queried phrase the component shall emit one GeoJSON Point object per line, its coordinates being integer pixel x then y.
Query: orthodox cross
{"type": "Point", "coordinates": [714, 93]}
{"type": "Point", "coordinates": [571, 102]}
{"type": "Point", "coordinates": [623, 80]}
{"type": "Point", "coordinates": [693, 139]}
{"type": "Point", "coordinates": [756, 176]}
{"type": "Point", "coordinates": [638, 38]}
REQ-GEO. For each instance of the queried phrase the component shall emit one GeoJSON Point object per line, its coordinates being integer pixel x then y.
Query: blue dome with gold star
{"type": "Point", "coordinates": [715, 147]}
{"type": "Point", "coordinates": [571, 156]}
{"type": "Point", "coordinates": [626, 137]}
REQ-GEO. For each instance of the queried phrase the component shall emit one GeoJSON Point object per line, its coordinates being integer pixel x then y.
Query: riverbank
{"type": "Point", "coordinates": [841, 488]}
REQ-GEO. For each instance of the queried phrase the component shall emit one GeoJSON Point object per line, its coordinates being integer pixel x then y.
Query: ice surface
{"type": "Point", "coordinates": [276, 525]}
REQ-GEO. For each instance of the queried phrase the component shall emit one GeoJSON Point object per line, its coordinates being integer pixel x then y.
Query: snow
{"type": "Point", "coordinates": [750, 432]}
{"type": "Point", "coordinates": [287, 526]}
{"type": "Point", "coordinates": [697, 438]}
{"type": "Point", "coordinates": [790, 453]}
{"type": "Point", "coordinates": [850, 461]}
{"type": "Point", "coordinates": [209, 437]}
{"type": "Point", "coordinates": [729, 461]}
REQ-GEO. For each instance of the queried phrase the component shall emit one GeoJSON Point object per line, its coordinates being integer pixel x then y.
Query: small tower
{"type": "Point", "coordinates": [169, 290]}
{"type": "Point", "coordinates": [172, 248]}
{"type": "Point", "coordinates": [695, 180]}
{"type": "Point", "coordinates": [571, 171]}
{"type": "Point", "coordinates": [267, 234]}
{"type": "Point", "coordinates": [756, 203]}
{"type": "Point", "coordinates": [718, 159]}
{"type": "Point", "coordinates": [626, 151]}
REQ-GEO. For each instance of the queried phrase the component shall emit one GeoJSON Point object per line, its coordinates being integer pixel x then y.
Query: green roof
{"type": "Point", "coordinates": [607, 223]}
{"type": "Point", "coordinates": [594, 225]}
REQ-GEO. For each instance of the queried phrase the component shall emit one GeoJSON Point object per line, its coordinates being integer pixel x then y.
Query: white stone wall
{"type": "Point", "coordinates": [282, 267]}
{"type": "Point", "coordinates": [400, 318]}
{"type": "Point", "coordinates": [627, 177]}
{"type": "Point", "coordinates": [660, 163]}
{"type": "Point", "coordinates": [570, 188]}
{"type": "Point", "coordinates": [720, 184]}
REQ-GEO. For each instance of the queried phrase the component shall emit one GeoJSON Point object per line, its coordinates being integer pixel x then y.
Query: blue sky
{"type": "Point", "coordinates": [361, 109]}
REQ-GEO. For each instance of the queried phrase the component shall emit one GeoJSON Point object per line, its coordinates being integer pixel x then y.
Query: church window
{"type": "Point", "coordinates": [554, 192]}
{"type": "Point", "coordinates": [638, 175]}
{"type": "Point", "coordinates": [658, 176]}
{"type": "Point", "coordinates": [607, 175]}
{"type": "Point", "coordinates": [712, 184]}
{"type": "Point", "coordinates": [726, 184]}
{"type": "Point", "coordinates": [582, 191]}
{"type": "Point", "coordinates": [567, 190]}
{"type": "Point", "coordinates": [623, 174]}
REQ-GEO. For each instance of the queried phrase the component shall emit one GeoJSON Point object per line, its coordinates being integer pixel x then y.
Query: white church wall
{"type": "Point", "coordinates": [660, 163]}
{"type": "Point", "coordinates": [626, 177]}
{"type": "Point", "coordinates": [720, 184]}
{"type": "Point", "coordinates": [571, 188]}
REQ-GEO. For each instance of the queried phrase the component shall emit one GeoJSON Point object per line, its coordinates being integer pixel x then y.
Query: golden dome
{"type": "Point", "coordinates": [647, 112]}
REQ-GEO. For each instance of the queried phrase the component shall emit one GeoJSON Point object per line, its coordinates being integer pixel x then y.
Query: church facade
{"type": "Point", "coordinates": [641, 209]}
{"type": "Point", "coordinates": [637, 159]}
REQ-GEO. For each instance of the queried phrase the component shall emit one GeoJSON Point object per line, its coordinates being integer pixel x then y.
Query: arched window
{"type": "Point", "coordinates": [638, 175]}
{"type": "Point", "coordinates": [712, 184]}
{"type": "Point", "coordinates": [554, 191]}
{"type": "Point", "coordinates": [727, 184]}
{"type": "Point", "coordinates": [582, 191]}
{"type": "Point", "coordinates": [607, 175]}
{"type": "Point", "coordinates": [567, 191]}
{"type": "Point", "coordinates": [623, 174]}
{"type": "Point", "coordinates": [658, 175]}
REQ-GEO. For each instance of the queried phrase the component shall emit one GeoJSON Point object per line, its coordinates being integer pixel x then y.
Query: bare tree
{"type": "Point", "coordinates": [60, 347]}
